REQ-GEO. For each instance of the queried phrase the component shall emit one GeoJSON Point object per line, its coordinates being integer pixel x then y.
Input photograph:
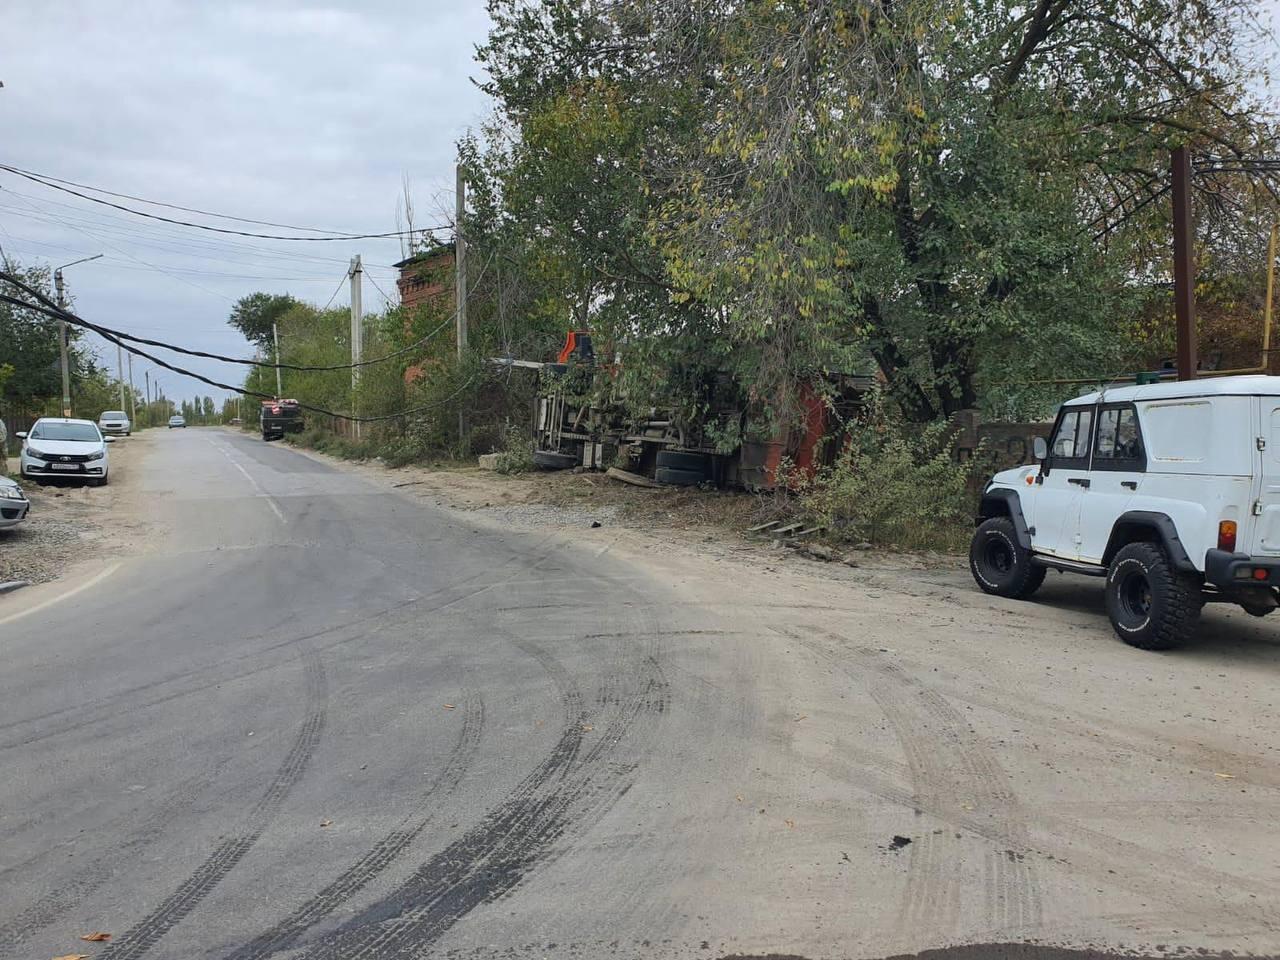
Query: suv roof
{"type": "Point", "coordinates": [1249, 386]}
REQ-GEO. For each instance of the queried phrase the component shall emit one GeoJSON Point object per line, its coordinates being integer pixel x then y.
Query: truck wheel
{"type": "Point", "coordinates": [682, 460]}
{"type": "Point", "coordinates": [1000, 564]}
{"type": "Point", "coordinates": [675, 477]}
{"type": "Point", "coordinates": [1151, 605]}
{"type": "Point", "coordinates": [554, 460]}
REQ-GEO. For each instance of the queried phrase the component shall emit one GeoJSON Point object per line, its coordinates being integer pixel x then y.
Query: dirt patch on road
{"type": "Point", "coordinates": [69, 523]}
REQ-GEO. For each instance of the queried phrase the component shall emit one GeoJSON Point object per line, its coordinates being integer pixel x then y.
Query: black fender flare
{"type": "Point", "coordinates": [1165, 529]}
{"type": "Point", "coordinates": [1001, 502]}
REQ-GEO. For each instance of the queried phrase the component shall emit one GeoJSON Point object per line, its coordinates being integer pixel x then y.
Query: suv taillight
{"type": "Point", "coordinates": [1227, 536]}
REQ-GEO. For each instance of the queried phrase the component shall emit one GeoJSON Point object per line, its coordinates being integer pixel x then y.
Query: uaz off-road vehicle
{"type": "Point", "coordinates": [1171, 491]}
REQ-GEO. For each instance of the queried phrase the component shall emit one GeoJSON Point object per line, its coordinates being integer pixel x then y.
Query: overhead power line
{"type": "Point", "coordinates": [77, 321]}
{"type": "Point", "coordinates": [50, 307]}
{"type": "Point", "coordinates": [34, 178]}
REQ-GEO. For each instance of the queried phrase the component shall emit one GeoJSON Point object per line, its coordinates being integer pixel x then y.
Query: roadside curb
{"type": "Point", "coordinates": [11, 585]}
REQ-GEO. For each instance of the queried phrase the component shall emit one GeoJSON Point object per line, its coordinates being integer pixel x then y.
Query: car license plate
{"type": "Point", "coordinates": [65, 466]}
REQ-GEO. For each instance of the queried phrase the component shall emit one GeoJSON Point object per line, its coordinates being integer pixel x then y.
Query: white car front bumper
{"type": "Point", "coordinates": [61, 466]}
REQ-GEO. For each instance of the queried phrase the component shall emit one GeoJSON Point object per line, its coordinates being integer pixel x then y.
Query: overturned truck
{"type": "Point", "coordinates": [718, 435]}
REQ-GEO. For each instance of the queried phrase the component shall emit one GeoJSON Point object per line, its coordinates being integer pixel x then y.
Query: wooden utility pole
{"type": "Point", "coordinates": [1184, 267]}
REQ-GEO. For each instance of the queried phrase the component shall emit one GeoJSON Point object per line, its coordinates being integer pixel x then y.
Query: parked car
{"type": "Point", "coordinates": [60, 447]}
{"type": "Point", "coordinates": [114, 422]}
{"type": "Point", "coordinates": [176, 421]}
{"type": "Point", "coordinates": [1170, 491]}
{"type": "Point", "coordinates": [13, 503]}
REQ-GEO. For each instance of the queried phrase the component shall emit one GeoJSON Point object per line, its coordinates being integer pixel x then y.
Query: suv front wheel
{"type": "Point", "coordinates": [1151, 604]}
{"type": "Point", "coordinates": [1000, 564]}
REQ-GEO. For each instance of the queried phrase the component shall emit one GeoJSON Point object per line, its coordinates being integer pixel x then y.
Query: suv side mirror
{"type": "Point", "coordinates": [108, 439]}
{"type": "Point", "coordinates": [21, 434]}
{"type": "Point", "coordinates": [1040, 447]}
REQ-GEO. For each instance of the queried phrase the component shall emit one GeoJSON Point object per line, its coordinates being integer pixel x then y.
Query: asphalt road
{"type": "Point", "coordinates": [315, 718]}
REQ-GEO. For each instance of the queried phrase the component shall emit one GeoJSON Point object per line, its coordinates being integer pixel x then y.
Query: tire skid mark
{"type": "Point", "coordinates": [142, 936]}
{"type": "Point", "coordinates": [948, 767]}
{"type": "Point", "coordinates": [568, 789]}
{"type": "Point", "coordinates": [352, 880]}
{"type": "Point", "coordinates": [88, 879]}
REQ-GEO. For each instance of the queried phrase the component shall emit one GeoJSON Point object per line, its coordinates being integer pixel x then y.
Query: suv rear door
{"type": "Point", "coordinates": [1266, 484]}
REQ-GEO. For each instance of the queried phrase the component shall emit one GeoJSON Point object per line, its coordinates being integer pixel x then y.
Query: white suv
{"type": "Point", "coordinates": [1170, 490]}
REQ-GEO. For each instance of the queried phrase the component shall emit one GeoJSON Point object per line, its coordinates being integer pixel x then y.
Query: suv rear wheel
{"type": "Point", "coordinates": [1000, 564]}
{"type": "Point", "coordinates": [1150, 603]}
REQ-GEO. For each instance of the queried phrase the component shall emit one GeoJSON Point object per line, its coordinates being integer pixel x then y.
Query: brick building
{"type": "Point", "coordinates": [426, 278]}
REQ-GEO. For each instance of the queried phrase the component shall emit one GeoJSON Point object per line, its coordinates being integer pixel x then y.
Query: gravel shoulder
{"type": "Point", "coordinates": [69, 524]}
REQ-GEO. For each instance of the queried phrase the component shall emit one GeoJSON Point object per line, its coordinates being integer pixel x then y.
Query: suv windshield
{"type": "Point", "coordinates": [85, 432]}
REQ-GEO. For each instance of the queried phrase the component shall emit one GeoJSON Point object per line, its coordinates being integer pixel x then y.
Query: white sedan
{"type": "Point", "coordinates": [13, 503]}
{"type": "Point", "coordinates": [58, 447]}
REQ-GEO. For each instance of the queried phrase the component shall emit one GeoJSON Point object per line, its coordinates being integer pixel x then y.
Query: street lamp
{"type": "Point", "coordinates": [62, 332]}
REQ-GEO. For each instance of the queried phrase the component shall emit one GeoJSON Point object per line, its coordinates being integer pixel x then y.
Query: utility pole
{"type": "Point", "coordinates": [356, 275]}
{"type": "Point", "coordinates": [147, 379]}
{"type": "Point", "coordinates": [120, 373]}
{"type": "Point", "coordinates": [460, 261]}
{"type": "Point", "coordinates": [133, 398]}
{"type": "Point", "coordinates": [62, 344]}
{"type": "Point", "coordinates": [275, 335]}
{"type": "Point", "coordinates": [1184, 267]}
{"type": "Point", "coordinates": [460, 277]}
{"type": "Point", "coordinates": [62, 332]}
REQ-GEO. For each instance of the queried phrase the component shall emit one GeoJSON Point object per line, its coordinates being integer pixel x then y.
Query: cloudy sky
{"type": "Point", "coordinates": [299, 113]}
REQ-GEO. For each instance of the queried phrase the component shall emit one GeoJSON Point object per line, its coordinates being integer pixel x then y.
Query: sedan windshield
{"type": "Point", "coordinates": [113, 415]}
{"type": "Point", "coordinates": [85, 432]}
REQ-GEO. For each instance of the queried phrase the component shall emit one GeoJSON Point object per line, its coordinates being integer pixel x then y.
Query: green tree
{"type": "Point", "coordinates": [967, 193]}
{"type": "Point", "coordinates": [254, 315]}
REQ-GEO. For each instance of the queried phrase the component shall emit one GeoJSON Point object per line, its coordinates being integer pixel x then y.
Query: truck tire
{"type": "Point", "coordinates": [1152, 605]}
{"type": "Point", "coordinates": [682, 460]}
{"type": "Point", "coordinates": [675, 477]}
{"type": "Point", "coordinates": [999, 564]}
{"type": "Point", "coordinates": [554, 460]}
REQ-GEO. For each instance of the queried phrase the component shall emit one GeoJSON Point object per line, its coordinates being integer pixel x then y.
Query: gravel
{"type": "Point", "coordinates": [547, 515]}
{"type": "Point", "coordinates": [62, 522]}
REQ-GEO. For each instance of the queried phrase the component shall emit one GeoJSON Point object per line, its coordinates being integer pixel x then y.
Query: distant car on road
{"type": "Point", "coordinates": [176, 421]}
{"type": "Point", "coordinates": [13, 503]}
{"type": "Point", "coordinates": [60, 447]}
{"type": "Point", "coordinates": [115, 422]}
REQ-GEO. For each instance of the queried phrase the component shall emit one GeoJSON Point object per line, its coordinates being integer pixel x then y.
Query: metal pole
{"type": "Point", "coordinates": [357, 334]}
{"type": "Point", "coordinates": [1184, 268]}
{"type": "Point", "coordinates": [1271, 286]}
{"type": "Point", "coordinates": [275, 335]}
{"type": "Point", "coordinates": [62, 344]}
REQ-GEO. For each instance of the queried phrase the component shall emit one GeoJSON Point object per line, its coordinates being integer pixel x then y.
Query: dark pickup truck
{"type": "Point", "coordinates": [279, 417]}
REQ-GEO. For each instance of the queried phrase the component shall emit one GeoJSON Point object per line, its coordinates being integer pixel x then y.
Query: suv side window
{"type": "Point", "coordinates": [1118, 442]}
{"type": "Point", "coordinates": [1070, 446]}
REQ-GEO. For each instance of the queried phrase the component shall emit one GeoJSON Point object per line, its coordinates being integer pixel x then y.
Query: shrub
{"type": "Point", "coordinates": [894, 484]}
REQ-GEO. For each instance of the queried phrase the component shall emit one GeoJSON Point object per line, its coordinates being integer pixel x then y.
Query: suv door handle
{"type": "Point", "coordinates": [1079, 481]}
{"type": "Point", "coordinates": [1131, 484]}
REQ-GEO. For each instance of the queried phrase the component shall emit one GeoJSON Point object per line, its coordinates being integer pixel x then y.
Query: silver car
{"type": "Point", "coordinates": [13, 503]}
{"type": "Point", "coordinates": [115, 422]}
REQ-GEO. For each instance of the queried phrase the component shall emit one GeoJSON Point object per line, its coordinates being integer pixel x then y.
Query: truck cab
{"type": "Point", "coordinates": [1170, 491]}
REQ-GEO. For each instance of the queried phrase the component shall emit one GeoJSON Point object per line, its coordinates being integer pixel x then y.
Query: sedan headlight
{"type": "Point", "coordinates": [38, 454]}
{"type": "Point", "coordinates": [97, 455]}
{"type": "Point", "coordinates": [11, 492]}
